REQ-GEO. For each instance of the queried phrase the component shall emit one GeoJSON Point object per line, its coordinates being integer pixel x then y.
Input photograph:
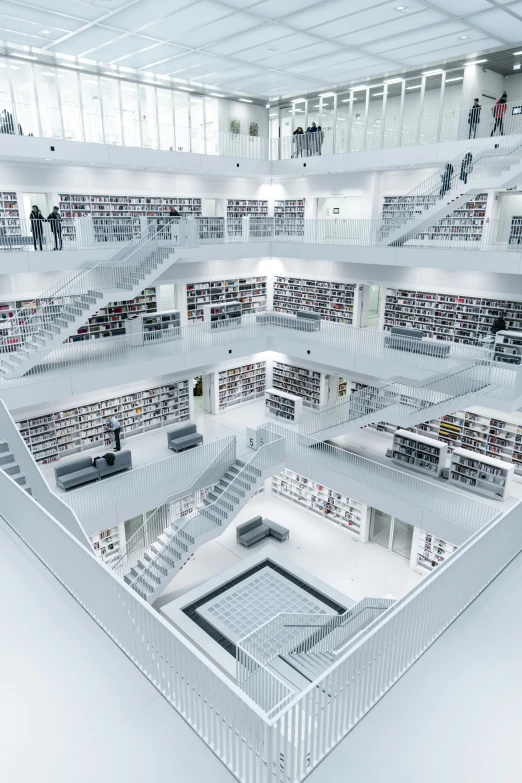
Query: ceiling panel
{"type": "Point", "coordinates": [28, 39]}
{"type": "Point", "coordinates": [432, 45]}
{"type": "Point", "coordinates": [76, 8]}
{"type": "Point", "coordinates": [144, 13]}
{"type": "Point", "coordinates": [496, 22]}
{"type": "Point", "coordinates": [326, 12]}
{"type": "Point", "coordinates": [259, 35]}
{"type": "Point", "coordinates": [343, 56]}
{"type": "Point", "coordinates": [86, 40]}
{"type": "Point", "coordinates": [192, 60]}
{"type": "Point", "coordinates": [173, 27]}
{"type": "Point", "coordinates": [154, 55]}
{"type": "Point", "coordinates": [277, 60]}
{"type": "Point", "coordinates": [461, 7]}
{"type": "Point", "coordinates": [424, 34]}
{"type": "Point", "coordinates": [274, 9]}
{"type": "Point", "coordinates": [47, 19]}
{"type": "Point", "coordinates": [446, 54]}
{"type": "Point", "coordinates": [121, 48]}
{"type": "Point", "coordinates": [356, 22]}
{"type": "Point", "coordinates": [209, 33]}
{"type": "Point", "coordinates": [379, 32]}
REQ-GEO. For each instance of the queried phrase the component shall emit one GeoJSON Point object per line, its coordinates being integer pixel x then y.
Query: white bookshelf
{"type": "Point", "coordinates": [481, 474]}
{"type": "Point", "coordinates": [238, 385]}
{"type": "Point", "coordinates": [396, 210]}
{"type": "Point", "coordinates": [334, 301]}
{"type": "Point", "coordinates": [342, 386]}
{"type": "Point", "coordinates": [211, 228]}
{"type": "Point", "coordinates": [419, 452]}
{"type": "Point", "coordinates": [283, 406]}
{"type": "Point", "coordinates": [111, 320]}
{"type": "Point", "coordinates": [289, 217]}
{"type": "Point", "coordinates": [240, 208]}
{"type": "Point", "coordinates": [508, 347]}
{"type": "Point", "coordinates": [106, 544]}
{"type": "Point", "coordinates": [9, 215]}
{"type": "Point", "coordinates": [515, 234]}
{"type": "Point", "coordinates": [62, 432]}
{"type": "Point", "coordinates": [215, 314]}
{"type": "Point", "coordinates": [311, 496]}
{"type": "Point", "coordinates": [300, 381]}
{"type": "Point", "coordinates": [453, 317]}
{"type": "Point", "coordinates": [126, 210]}
{"type": "Point", "coordinates": [464, 225]}
{"type": "Point", "coordinates": [430, 551]}
{"type": "Point", "coordinates": [251, 292]}
{"type": "Point", "coordinates": [145, 328]}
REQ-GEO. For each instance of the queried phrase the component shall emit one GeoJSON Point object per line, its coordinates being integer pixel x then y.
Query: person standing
{"type": "Point", "coordinates": [474, 118]}
{"type": "Point", "coordinates": [466, 167]}
{"type": "Point", "coordinates": [499, 111]}
{"type": "Point", "coordinates": [114, 426]}
{"type": "Point", "coordinates": [55, 219]}
{"type": "Point", "coordinates": [446, 177]}
{"type": "Point", "coordinates": [320, 138]}
{"type": "Point", "coordinates": [173, 213]}
{"type": "Point", "coordinates": [37, 221]}
{"type": "Point", "coordinates": [313, 139]}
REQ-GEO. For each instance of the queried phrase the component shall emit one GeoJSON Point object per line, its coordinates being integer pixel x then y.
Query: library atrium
{"type": "Point", "coordinates": [260, 390]}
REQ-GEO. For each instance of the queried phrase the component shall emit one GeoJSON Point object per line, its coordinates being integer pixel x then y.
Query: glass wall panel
{"type": "Point", "coordinates": [451, 107]}
{"type": "Point", "coordinates": [165, 119]}
{"type": "Point", "coordinates": [130, 114]}
{"type": "Point", "coordinates": [23, 89]}
{"type": "Point", "coordinates": [7, 121]}
{"type": "Point", "coordinates": [429, 126]}
{"type": "Point", "coordinates": [69, 89]}
{"type": "Point", "coordinates": [46, 82]}
{"type": "Point", "coordinates": [323, 145]}
{"type": "Point", "coordinates": [410, 123]}
{"type": "Point", "coordinates": [149, 120]}
{"type": "Point", "coordinates": [392, 119]}
{"type": "Point", "coordinates": [402, 538]}
{"type": "Point", "coordinates": [380, 527]}
{"type": "Point", "coordinates": [212, 125]}
{"type": "Point", "coordinates": [358, 129]}
{"type": "Point", "coordinates": [342, 135]}
{"type": "Point", "coordinates": [111, 111]}
{"type": "Point", "coordinates": [181, 117]}
{"type": "Point", "coordinates": [92, 116]}
{"type": "Point", "coordinates": [287, 140]}
{"type": "Point", "coordinates": [197, 124]}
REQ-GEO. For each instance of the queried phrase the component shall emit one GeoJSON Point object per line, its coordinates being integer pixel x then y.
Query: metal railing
{"type": "Point", "coordinates": [173, 509]}
{"type": "Point", "coordinates": [452, 506]}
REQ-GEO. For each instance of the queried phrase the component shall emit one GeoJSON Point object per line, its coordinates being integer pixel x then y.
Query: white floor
{"type": "Point", "coordinates": [75, 709]}
{"type": "Point", "coordinates": [315, 544]}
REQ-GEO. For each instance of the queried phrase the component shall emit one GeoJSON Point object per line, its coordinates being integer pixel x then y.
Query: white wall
{"type": "Point", "coordinates": [245, 113]}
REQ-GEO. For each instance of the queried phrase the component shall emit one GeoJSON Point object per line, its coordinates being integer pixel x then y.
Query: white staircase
{"type": "Point", "coordinates": [404, 404]}
{"type": "Point", "coordinates": [497, 165]}
{"type": "Point", "coordinates": [10, 466]}
{"type": "Point", "coordinates": [62, 309]}
{"type": "Point", "coordinates": [181, 536]}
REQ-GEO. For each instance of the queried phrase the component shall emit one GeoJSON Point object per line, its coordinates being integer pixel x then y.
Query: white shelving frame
{"type": "Point", "coordinates": [9, 215]}
{"type": "Point", "coordinates": [111, 320]}
{"type": "Point", "coordinates": [508, 347]}
{"type": "Point", "coordinates": [289, 217]}
{"type": "Point", "coordinates": [465, 224]}
{"type": "Point", "coordinates": [301, 381]}
{"type": "Point", "coordinates": [106, 543]}
{"type": "Point", "coordinates": [419, 453]}
{"type": "Point", "coordinates": [335, 301]}
{"type": "Point", "coordinates": [480, 474]}
{"type": "Point", "coordinates": [237, 385]}
{"type": "Point", "coordinates": [147, 327]}
{"type": "Point", "coordinates": [251, 292]}
{"type": "Point", "coordinates": [345, 512]}
{"type": "Point", "coordinates": [216, 313]}
{"type": "Point", "coordinates": [281, 405]}
{"type": "Point", "coordinates": [429, 551]}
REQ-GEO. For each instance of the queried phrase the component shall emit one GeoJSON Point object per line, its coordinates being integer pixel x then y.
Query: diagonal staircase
{"type": "Point", "coordinates": [10, 466]}
{"type": "Point", "coordinates": [403, 404]}
{"type": "Point", "coordinates": [493, 166]}
{"type": "Point", "coordinates": [182, 536]}
{"type": "Point", "coordinates": [75, 298]}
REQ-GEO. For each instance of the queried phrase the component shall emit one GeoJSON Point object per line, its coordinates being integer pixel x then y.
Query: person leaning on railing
{"type": "Point", "coordinates": [474, 118]}
{"type": "Point", "coordinates": [499, 111]}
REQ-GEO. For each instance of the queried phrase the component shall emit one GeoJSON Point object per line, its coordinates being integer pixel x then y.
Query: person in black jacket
{"type": "Point", "coordinates": [37, 221]}
{"type": "Point", "coordinates": [446, 177]}
{"type": "Point", "coordinates": [499, 324]}
{"type": "Point", "coordinates": [466, 167]}
{"type": "Point", "coordinates": [55, 219]}
{"type": "Point", "coordinates": [474, 118]}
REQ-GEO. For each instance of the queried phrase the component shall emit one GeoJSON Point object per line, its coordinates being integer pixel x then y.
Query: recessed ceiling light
{"type": "Point", "coordinates": [392, 81]}
{"type": "Point", "coordinates": [316, 105]}
{"type": "Point", "coordinates": [463, 37]}
{"type": "Point", "coordinates": [272, 48]}
{"type": "Point", "coordinates": [27, 56]}
{"type": "Point", "coordinates": [455, 79]}
{"type": "Point", "coordinates": [432, 73]}
{"type": "Point", "coordinates": [47, 73]}
{"type": "Point", "coordinates": [326, 94]}
{"type": "Point", "coordinates": [401, 8]}
{"type": "Point", "coordinates": [217, 95]}
{"type": "Point", "coordinates": [349, 100]}
{"type": "Point", "coordinates": [475, 62]}
{"type": "Point", "coordinates": [516, 53]}
{"type": "Point", "coordinates": [272, 115]}
{"type": "Point", "coordinates": [246, 100]}
{"type": "Point", "coordinates": [189, 89]}
{"type": "Point", "coordinates": [297, 100]}
{"type": "Point", "coordinates": [516, 67]}
{"type": "Point", "coordinates": [376, 94]}
{"type": "Point", "coordinates": [44, 32]}
{"type": "Point", "coordinates": [414, 87]}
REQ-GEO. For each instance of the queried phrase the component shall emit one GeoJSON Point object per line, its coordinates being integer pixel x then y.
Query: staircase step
{"type": "Point", "coordinates": [6, 457]}
{"type": "Point", "coordinates": [11, 467]}
{"type": "Point", "coordinates": [4, 446]}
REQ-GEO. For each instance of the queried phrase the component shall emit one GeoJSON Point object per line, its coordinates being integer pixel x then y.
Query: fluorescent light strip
{"type": "Point", "coordinates": [245, 100]}
{"type": "Point", "coordinates": [432, 73]}
{"type": "Point", "coordinates": [217, 95]}
{"type": "Point", "coordinates": [415, 87]}
{"type": "Point", "coordinates": [475, 62]}
{"type": "Point", "coordinates": [326, 94]}
{"type": "Point", "coordinates": [455, 79]}
{"type": "Point", "coordinates": [376, 94]}
{"type": "Point", "coordinates": [515, 54]}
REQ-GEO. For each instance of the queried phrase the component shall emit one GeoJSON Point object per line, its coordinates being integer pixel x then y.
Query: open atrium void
{"type": "Point", "coordinates": [260, 390]}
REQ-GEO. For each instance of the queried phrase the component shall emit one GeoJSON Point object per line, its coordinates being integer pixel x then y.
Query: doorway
{"type": "Point", "coordinates": [391, 533]}
{"type": "Point", "coordinates": [197, 392]}
{"type": "Point", "coordinates": [41, 201]}
{"type": "Point", "coordinates": [369, 306]}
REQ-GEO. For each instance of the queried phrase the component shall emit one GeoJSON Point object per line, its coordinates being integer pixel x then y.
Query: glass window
{"type": "Point", "coordinates": [300, 114]}
{"type": "Point", "coordinates": [149, 120]}
{"type": "Point", "coordinates": [402, 538]}
{"type": "Point", "coordinates": [380, 527]}
{"type": "Point", "coordinates": [130, 115]}
{"type": "Point", "coordinates": [196, 124]}
{"type": "Point", "coordinates": [344, 101]}
{"type": "Point", "coordinates": [92, 117]}
{"type": "Point", "coordinates": [165, 119]}
{"type": "Point", "coordinates": [410, 123]}
{"type": "Point", "coordinates": [111, 111]}
{"type": "Point", "coordinates": [451, 107]}
{"type": "Point", "coordinates": [23, 88]}
{"type": "Point", "coordinates": [375, 117]}
{"type": "Point", "coordinates": [46, 82]}
{"type": "Point", "coordinates": [326, 125]}
{"type": "Point", "coordinates": [181, 119]}
{"type": "Point", "coordinates": [212, 125]}
{"type": "Point", "coordinates": [7, 122]}
{"type": "Point", "coordinates": [392, 120]}
{"type": "Point", "coordinates": [69, 89]}
{"type": "Point", "coordinates": [357, 135]}
{"type": "Point", "coordinates": [429, 125]}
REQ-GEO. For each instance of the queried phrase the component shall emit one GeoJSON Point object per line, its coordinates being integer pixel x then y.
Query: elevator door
{"type": "Point", "coordinates": [391, 533]}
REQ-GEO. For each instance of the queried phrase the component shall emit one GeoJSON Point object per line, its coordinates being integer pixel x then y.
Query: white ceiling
{"type": "Point", "coordinates": [264, 48]}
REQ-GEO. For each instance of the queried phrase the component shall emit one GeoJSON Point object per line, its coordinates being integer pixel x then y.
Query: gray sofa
{"type": "Point", "coordinates": [82, 470]}
{"type": "Point", "coordinates": [257, 528]}
{"type": "Point", "coordinates": [184, 437]}
{"type": "Point", "coordinates": [303, 320]}
{"type": "Point", "coordinates": [412, 340]}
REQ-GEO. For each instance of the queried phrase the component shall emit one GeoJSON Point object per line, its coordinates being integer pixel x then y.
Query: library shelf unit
{"type": "Point", "coordinates": [237, 385]}
{"type": "Point", "coordinates": [515, 234]}
{"type": "Point", "coordinates": [430, 552]}
{"type": "Point", "coordinates": [419, 453]}
{"type": "Point", "coordinates": [237, 209]}
{"type": "Point", "coordinates": [251, 292]}
{"type": "Point", "coordinates": [289, 217]}
{"type": "Point", "coordinates": [9, 216]}
{"type": "Point", "coordinates": [62, 432]}
{"type": "Point", "coordinates": [396, 210]}
{"type": "Point", "coordinates": [311, 496]}
{"type": "Point", "coordinates": [463, 225]}
{"type": "Point", "coordinates": [283, 406]}
{"type": "Point", "coordinates": [508, 347]}
{"type": "Point", "coordinates": [300, 381]}
{"type": "Point", "coordinates": [334, 301]}
{"type": "Point", "coordinates": [342, 387]}
{"type": "Point", "coordinates": [111, 320]}
{"type": "Point", "coordinates": [483, 475]}
{"type": "Point", "coordinates": [127, 208]}
{"type": "Point", "coordinates": [453, 317]}
{"type": "Point", "coordinates": [145, 328]}
{"type": "Point", "coordinates": [215, 314]}
{"type": "Point", "coordinates": [106, 544]}
{"type": "Point", "coordinates": [211, 228]}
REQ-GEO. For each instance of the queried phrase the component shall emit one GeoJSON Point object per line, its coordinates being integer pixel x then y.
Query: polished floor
{"type": "Point", "coordinates": [75, 709]}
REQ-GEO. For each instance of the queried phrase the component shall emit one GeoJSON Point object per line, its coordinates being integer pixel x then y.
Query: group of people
{"type": "Point", "coordinates": [308, 142]}
{"type": "Point", "coordinates": [37, 220]}
{"type": "Point", "coordinates": [466, 168]}
{"type": "Point", "coordinates": [498, 111]}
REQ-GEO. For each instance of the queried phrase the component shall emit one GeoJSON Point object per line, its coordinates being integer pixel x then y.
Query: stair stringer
{"type": "Point", "coordinates": [19, 362]}
{"type": "Point", "coordinates": [210, 534]}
